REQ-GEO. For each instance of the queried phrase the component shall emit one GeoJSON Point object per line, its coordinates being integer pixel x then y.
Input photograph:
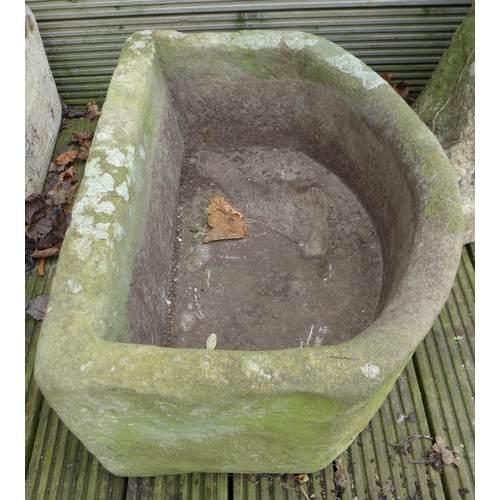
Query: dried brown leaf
{"type": "Point", "coordinates": [403, 90]}
{"type": "Point", "coordinates": [70, 112]}
{"type": "Point", "coordinates": [83, 152]}
{"type": "Point", "coordinates": [69, 175]}
{"type": "Point", "coordinates": [47, 252]}
{"type": "Point", "coordinates": [64, 192]}
{"type": "Point", "coordinates": [446, 453]}
{"type": "Point", "coordinates": [53, 237]}
{"type": "Point", "coordinates": [93, 108]}
{"type": "Point", "coordinates": [58, 194]}
{"type": "Point", "coordinates": [42, 226]}
{"type": "Point", "coordinates": [34, 205]}
{"type": "Point", "coordinates": [339, 477]}
{"type": "Point", "coordinates": [66, 157]}
{"type": "Point", "coordinates": [81, 137]}
{"type": "Point", "coordinates": [48, 215]}
{"type": "Point", "coordinates": [71, 194]}
{"type": "Point", "coordinates": [387, 76]}
{"type": "Point", "coordinates": [37, 306]}
{"type": "Point", "coordinates": [84, 140]}
{"type": "Point", "coordinates": [226, 222]}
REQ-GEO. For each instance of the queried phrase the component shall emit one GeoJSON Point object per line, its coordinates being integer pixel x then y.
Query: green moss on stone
{"type": "Point", "coordinates": [444, 81]}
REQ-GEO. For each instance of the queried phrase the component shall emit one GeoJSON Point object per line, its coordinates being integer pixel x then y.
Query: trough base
{"type": "Point", "coordinates": [308, 274]}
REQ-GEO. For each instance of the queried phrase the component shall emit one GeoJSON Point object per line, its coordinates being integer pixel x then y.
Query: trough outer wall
{"type": "Point", "coordinates": [144, 410]}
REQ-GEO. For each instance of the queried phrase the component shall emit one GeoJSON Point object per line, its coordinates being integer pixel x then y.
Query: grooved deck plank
{"type": "Point", "coordinates": [445, 366]}
{"type": "Point", "coordinates": [195, 486]}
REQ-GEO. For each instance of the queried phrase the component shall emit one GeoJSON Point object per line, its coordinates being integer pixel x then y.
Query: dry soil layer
{"type": "Point", "coordinates": [312, 280]}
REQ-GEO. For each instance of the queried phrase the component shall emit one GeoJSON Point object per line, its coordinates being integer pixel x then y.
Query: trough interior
{"type": "Point", "coordinates": [331, 215]}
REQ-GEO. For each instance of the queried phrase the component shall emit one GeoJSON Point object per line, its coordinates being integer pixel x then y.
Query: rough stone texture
{"type": "Point", "coordinates": [447, 106]}
{"type": "Point", "coordinates": [42, 116]}
{"type": "Point", "coordinates": [147, 410]}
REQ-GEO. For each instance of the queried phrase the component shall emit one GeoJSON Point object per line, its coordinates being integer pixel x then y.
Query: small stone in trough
{"type": "Point", "coordinates": [211, 342]}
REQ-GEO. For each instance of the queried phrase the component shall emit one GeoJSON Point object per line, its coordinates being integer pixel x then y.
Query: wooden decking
{"type": "Point", "coordinates": [434, 396]}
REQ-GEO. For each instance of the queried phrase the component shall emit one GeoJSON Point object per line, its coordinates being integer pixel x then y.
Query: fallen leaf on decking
{"type": "Point", "coordinates": [66, 157]}
{"type": "Point", "coordinates": [64, 192]}
{"type": "Point", "coordinates": [446, 453]}
{"type": "Point", "coordinates": [401, 88]}
{"type": "Point", "coordinates": [84, 140]}
{"type": "Point", "coordinates": [93, 108]}
{"type": "Point", "coordinates": [339, 477]}
{"type": "Point", "coordinates": [440, 456]}
{"type": "Point", "coordinates": [37, 306]}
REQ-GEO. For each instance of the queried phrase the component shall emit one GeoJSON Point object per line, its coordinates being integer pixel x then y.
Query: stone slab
{"type": "Point", "coordinates": [447, 106]}
{"type": "Point", "coordinates": [42, 116]}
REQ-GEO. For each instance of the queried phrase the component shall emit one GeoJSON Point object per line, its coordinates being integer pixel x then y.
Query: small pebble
{"type": "Point", "coordinates": [211, 342]}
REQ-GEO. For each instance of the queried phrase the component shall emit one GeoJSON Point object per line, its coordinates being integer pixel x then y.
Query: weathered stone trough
{"type": "Point", "coordinates": [356, 242]}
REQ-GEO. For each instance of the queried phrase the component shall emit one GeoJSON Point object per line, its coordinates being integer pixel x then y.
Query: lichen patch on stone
{"type": "Point", "coordinates": [83, 224]}
{"type": "Point", "coordinates": [176, 34]}
{"type": "Point", "coordinates": [139, 44]}
{"type": "Point", "coordinates": [104, 134]}
{"type": "Point", "coordinates": [97, 184]}
{"type": "Point", "coordinates": [74, 287]}
{"type": "Point", "coordinates": [122, 190]}
{"type": "Point", "coordinates": [89, 231]}
{"type": "Point", "coordinates": [298, 41]}
{"type": "Point", "coordinates": [257, 41]}
{"type": "Point", "coordinates": [349, 64]}
{"type": "Point", "coordinates": [105, 207]}
{"type": "Point", "coordinates": [370, 370]}
{"type": "Point", "coordinates": [82, 247]}
{"type": "Point", "coordinates": [101, 230]}
{"type": "Point", "coordinates": [85, 366]}
{"type": "Point", "coordinates": [115, 157]}
{"type": "Point", "coordinates": [256, 368]}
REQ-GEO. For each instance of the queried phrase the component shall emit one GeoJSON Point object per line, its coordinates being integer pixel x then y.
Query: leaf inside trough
{"type": "Point", "coordinates": [226, 222]}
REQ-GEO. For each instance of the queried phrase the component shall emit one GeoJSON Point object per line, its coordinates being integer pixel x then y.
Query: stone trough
{"type": "Point", "coordinates": [316, 311]}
